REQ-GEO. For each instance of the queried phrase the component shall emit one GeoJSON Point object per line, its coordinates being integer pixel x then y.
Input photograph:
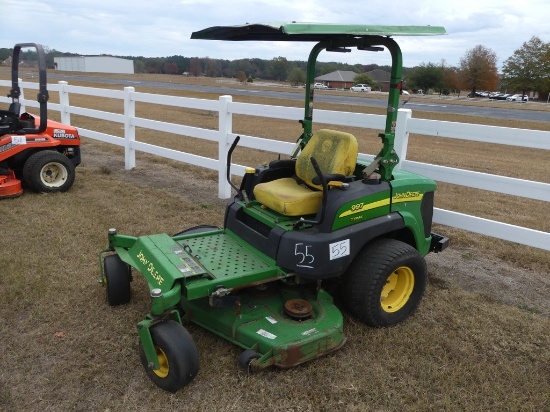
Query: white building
{"type": "Point", "coordinates": [96, 64]}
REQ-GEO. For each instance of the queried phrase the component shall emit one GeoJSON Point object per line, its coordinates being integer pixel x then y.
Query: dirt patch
{"type": "Point", "coordinates": [469, 269]}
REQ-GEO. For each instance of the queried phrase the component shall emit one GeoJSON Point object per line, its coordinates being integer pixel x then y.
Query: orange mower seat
{"type": "Point", "coordinates": [335, 153]}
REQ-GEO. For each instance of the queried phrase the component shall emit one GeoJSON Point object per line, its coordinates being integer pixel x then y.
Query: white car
{"type": "Point", "coordinates": [518, 98]}
{"type": "Point", "coordinates": [360, 88]}
{"type": "Point", "coordinates": [320, 86]}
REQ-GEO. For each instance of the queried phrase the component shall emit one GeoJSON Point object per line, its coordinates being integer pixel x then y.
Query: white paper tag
{"type": "Point", "coordinates": [339, 249]}
{"type": "Point", "coordinates": [18, 140]}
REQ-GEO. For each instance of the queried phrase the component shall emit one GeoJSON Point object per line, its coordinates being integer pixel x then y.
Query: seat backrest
{"type": "Point", "coordinates": [15, 108]}
{"type": "Point", "coordinates": [335, 152]}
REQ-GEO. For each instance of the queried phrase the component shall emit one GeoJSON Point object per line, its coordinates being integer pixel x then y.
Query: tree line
{"type": "Point", "coordinates": [527, 70]}
{"type": "Point", "coordinates": [278, 68]}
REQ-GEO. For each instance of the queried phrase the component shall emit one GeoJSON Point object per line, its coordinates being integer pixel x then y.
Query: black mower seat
{"type": "Point", "coordinates": [334, 151]}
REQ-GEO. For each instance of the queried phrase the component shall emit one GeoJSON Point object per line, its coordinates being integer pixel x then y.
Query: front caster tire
{"type": "Point", "coordinates": [246, 358]}
{"type": "Point", "coordinates": [49, 171]}
{"type": "Point", "coordinates": [385, 283]}
{"type": "Point", "coordinates": [177, 355]}
{"type": "Point", "coordinates": [118, 276]}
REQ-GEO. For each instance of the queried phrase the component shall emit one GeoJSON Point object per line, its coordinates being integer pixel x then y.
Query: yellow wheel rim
{"type": "Point", "coordinates": [397, 290]}
{"type": "Point", "coordinates": [162, 372]}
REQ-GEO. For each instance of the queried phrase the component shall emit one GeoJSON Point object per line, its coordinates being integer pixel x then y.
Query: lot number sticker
{"type": "Point", "coordinates": [339, 249]}
{"type": "Point", "coordinates": [18, 140]}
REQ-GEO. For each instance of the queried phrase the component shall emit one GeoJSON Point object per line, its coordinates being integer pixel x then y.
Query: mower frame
{"type": "Point", "coordinates": [262, 281]}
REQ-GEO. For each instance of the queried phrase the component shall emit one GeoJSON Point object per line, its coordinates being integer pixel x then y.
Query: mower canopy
{"type": "Point", "coordinates": [314, 32]}
{"type": "Point", "coordinates": [335, 38]}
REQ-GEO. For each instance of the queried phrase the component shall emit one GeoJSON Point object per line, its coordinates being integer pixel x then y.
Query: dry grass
{"type": "Point", "coordinates": [64, 348]}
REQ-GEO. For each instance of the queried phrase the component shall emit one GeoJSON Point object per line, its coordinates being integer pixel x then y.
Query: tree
{"type": "Point", "coordinates": [170, 68]}
{"type": "Point", "coordinates": [195, 67]}
{"type": "Point", "coordinates": [241, 76]}
{"type": "Point", "coordinates": [139, 66]}
{"type": "Point", "coordinates": [478, 69]}
{"type": "Point", "coordinates": [451, 81]}
{"type": "Point", "coordinates": [279, 68]}
{"type": "Point", "coordinates": [154, 65]}
{"type": "Point", "coordinates": [426, 76]}
{"type": "Point", "coordinates": [213, 68]}
{"type": "Point", "coordinates": [364, 78]}
{"type": "Point", "coordinates": [296, 76]}
{"type": "Point", "coordinates": [527, 69]}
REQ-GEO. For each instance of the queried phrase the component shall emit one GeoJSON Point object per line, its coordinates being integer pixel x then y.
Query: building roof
{"type": "Point", "coordinates": [337, 76]}
{"type": "Point", "coordinates": [379, 76]}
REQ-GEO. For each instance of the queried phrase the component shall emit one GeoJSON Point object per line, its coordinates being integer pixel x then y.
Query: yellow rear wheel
{"type": "Point", "coordinates": [385, 282]}
{"type": "Point", "coordinates": [397, 290]}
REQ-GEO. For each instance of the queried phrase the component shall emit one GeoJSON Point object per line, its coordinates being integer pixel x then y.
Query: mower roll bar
{"type": "Point", "coordinates": [43, 95]}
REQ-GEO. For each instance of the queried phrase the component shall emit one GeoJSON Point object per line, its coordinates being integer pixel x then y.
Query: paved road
{"type": "Point", "coordinates": [326, 96]}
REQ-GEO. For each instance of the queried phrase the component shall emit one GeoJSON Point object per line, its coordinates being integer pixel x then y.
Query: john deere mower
{"type": "Point", "coordinates": [41, 153]}
{"type": "Point", "coordinates": [299, 235]}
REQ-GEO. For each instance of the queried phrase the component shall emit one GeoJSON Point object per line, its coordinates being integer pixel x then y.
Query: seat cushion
{"type": "Point", "coordinates": [287, 197]}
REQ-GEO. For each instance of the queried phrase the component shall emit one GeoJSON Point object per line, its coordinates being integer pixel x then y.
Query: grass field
{"type": "Point", "coordinates": [64, 348]}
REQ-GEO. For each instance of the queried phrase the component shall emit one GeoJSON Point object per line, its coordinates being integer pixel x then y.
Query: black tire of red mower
{"type": "Point", "coordinates": [32, 170]}
{"type": "Point", "coordinates": [367, 275]}
{"type": "Point", "coordinates": [246, 358]}
{"type": "Point", "coordinates": [118, 276]}
{"type": "Point", "coordinates": [179, 352]}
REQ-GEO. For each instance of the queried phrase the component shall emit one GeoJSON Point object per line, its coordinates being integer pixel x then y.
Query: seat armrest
{"type": "Point", "coordinates": [283, 164]}
{"type": "Point", "coordinates": [332, 178]}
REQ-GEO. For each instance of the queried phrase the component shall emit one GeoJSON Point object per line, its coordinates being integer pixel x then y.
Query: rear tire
{"type": "Point", "coordinates": [177, 355]}
{"type": "Point", "coordinates": [385, 283]}
{"type": "Point", "coordinates": [49, 171]}
{"type": "Point", "coordinates": [118, 276]}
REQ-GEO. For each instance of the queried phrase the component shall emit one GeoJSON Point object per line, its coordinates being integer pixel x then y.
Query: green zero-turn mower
{"type": "Point", "coordinates": [299, 232]}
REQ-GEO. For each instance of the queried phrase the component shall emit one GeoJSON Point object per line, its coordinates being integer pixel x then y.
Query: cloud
{"type": "Point", "coordinates": [163, 28]}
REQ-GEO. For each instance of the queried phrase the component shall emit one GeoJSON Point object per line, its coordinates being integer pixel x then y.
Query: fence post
{"type": "Point", "coordinates": [129, 129]}
{"type": "Point", "coordinates": [21, 96]}
{"type": "Point", "coordinates": [225, 127]}
{"type": "Point", "coordinates": [64, 103]}
{"type": "Point", "coordinates": [402, 135]}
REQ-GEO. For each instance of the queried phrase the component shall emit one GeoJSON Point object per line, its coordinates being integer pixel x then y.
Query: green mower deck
{"type": "Point", "coordinates": [284, 324]}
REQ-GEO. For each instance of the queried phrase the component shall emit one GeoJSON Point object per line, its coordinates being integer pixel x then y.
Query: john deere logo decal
{"type": "Point", "coordinates": [407, 197]}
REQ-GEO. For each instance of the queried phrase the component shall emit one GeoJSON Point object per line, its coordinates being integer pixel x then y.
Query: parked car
{"type": "Point", "coordinates": [477, 94]}
{"type": "Point", "coordinates": [320, 86]}
{"type": "Point", "coordinates": [360, 88]}
{"type": "Point", "coordinates": [518, 98]}
{"type": "Point", "coordinates": [502, 96]}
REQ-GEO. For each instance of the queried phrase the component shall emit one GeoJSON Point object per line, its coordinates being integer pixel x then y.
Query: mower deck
{"type": "Point", "coordinates": [284, 323]}
{"type": "Point", "coordinates": [10, 186]}
{"type": "Point", "coordinates": [259, 307]}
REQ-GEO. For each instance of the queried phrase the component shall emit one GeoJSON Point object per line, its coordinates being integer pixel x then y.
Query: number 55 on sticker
{"type": "Point", "coordinates": [340, 249]}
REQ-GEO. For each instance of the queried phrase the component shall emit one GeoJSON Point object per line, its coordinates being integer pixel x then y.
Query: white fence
{"type": "Point", "coordinates": [224, 136]}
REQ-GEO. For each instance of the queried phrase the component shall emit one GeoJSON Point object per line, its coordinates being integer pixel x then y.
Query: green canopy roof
{"type": "Point", "coordinates": [292, 31]}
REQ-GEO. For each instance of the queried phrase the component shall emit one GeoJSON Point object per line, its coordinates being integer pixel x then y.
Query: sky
{"type": "Point", "coordinates": [161, 28]}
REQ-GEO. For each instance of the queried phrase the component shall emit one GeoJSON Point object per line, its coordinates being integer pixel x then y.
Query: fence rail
{"type": "Point", "coordinates": [224, 135]}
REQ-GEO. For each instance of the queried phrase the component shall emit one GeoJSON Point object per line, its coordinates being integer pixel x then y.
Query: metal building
{"type": "Point", "coordinates": [97, 64]}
